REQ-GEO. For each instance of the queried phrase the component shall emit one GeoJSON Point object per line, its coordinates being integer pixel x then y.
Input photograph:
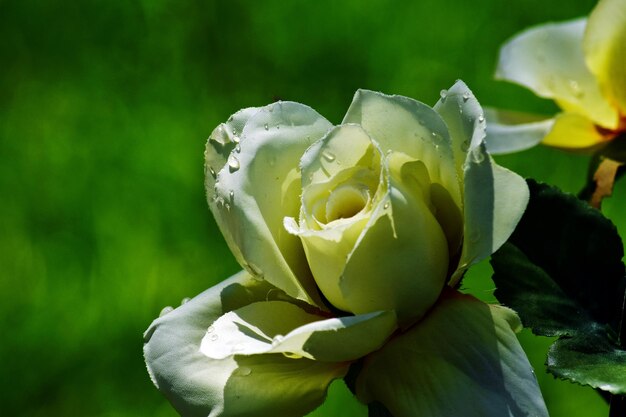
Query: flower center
{"type": "Point", "coordinates": [346, 201]}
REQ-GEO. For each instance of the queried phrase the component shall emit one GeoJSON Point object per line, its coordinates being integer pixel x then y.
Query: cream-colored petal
{"type": "Point", "coordinates": [549, 60]}
{"type": "Point", "coordinates": [494, 198]}
{"type": "Point", "coordinates": [605, 49]}
{"type": "Point", "coordinates": [405, 125]}
{"type": "Point", "coordinates": [282, 327]}
{"type": "Point", "coordinates": [513, 132]}
{"type": "Point", "coordinates": [220, 144]}
{"type": "Point", "coordinates": [465, 120]}
{"type": "Point", "coordinates": [198, 386]}
{"type": "Point", "coordinates": [461, 360]}
{"type": "Point", "coordinates": [573, 131]}
{"type": "Point", "coordinates": [259, 186]}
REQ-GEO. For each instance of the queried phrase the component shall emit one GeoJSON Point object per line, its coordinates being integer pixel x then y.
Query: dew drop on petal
{"type": "Point", "coordinates": [266, 126]}
{"type": "Point", "coordinates": [477, 156]}
{"type": "Point", "coordinates": [233, 163]}
{"type": "Point", "coordinates": [236, 139]}
{"type": "Point", "coordinates": [242, 371]}
{"type": "Point", "coordinates": [466, 96]}
{"type": "Point", "coordinates": [166, 310]}
{"type": "Point", "coordinates": [213, 337]}
{"type": "Point", "coordinates": [575, 87]}
{"type": "Point", "coordinates": [443, 94]}
{"type": "Point", "coordinates": [277, 339]}
{"type": "Point", "coordinates": [254, 270]}
{"type": "Point", "coordinates": [212, 171]}
{"type": "Point", "coordinates": [184, 301]}
{"type": "Point", "coordinates": [231, 194]}
{"type": "Point", "coordinates": [211, 329]}
{"type": "Point", "coordinates": [328, 156]}
{"type": "Point", "coordinates": [481, 118]}
{"type": "Point", "coordinates": [238, 148]}
{"type": "Point", "coordinates": [386, 206]}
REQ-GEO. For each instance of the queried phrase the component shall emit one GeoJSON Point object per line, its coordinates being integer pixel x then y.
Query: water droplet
{"type": "Point", "coordinates": [234, 132]}
{"type": "Point", "coordinates": [575, 87]}
{"type": "Point", "coordinates": [213, 337]}
{"type": "Point", "coordinates": [184, 301]}
{"type": "Point", "coordinates": [477, 156]}
{"type": "Point", "coordinates": [465, 145]}
{"type": "Point", "coordinates": [277, 126]}
{"type": "Point", "coordinates": [255, 271]}
{"type": "Point", "coordinates": [481, 118]}
{"type": "Point", "coordinates": [292, 355]}
{"type": "Point", "coordinates": [242, 371]}
{"type": "Point", "coordinates": [166, 310]}
{"type": "Point", "coordinates": [466, 96]}
{"type": "Point", "coordinates": [231, 194]}
{"type": "Point", "coordinates": [230, 119]}
{"type": "Point", "coordinates": [238, 148]}
{"type": "Point", "coordinates": [211, 329]}
{"type": "Point", "coordinates": [266, 126]}
{"type": "Point", "coordinates": [328, 156]}
{"type": "Point", "coordinates": [212, 171]}
{"type": "Point", "coordinates": [277, 339]}
{"type": "Point", "coordinates": [233, 163]}
{"type": "Point", "coordinates": [386, 206]}
{"type": "Point", "coordinates": [236, 139]}
{"type": "Point", "coordinates": [227, 205]}
{"type": "Point", "coordinates": [443, 94]}
{"type": "Point", "coordinates": [436, 135]}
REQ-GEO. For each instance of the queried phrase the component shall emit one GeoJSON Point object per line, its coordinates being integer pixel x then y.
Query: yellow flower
{"type": "Point", "coordinates": [581, 65]}
{"type": "Point", "coordinates": [351, 239]}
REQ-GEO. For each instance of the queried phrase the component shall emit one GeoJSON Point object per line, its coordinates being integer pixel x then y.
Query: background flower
{"type": "Point", "coordinates": [579, 64]}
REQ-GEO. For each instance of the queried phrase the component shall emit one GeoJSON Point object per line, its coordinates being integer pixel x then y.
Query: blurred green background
{"type": "Point", "coordinates": [104, 110]}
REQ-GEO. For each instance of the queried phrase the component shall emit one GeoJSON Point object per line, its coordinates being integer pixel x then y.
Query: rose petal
{"type": "Point", "coordinates": [463, 359]}
{"type": "Point", "coordinates": [494, 197]}
{"type": "Point", "coordinates": [259, 186]}
{"type": "Point", "coordinates": [605, 49]}
{"type": "Point", "coordinates": [509, 132]}
{"type": "Point", "coordinates": [282, 327]}
{"type": "Point", "coordinates": [235, 386]}
{"type": "Point", "coordinates": [405, 125]}
{"type": "Point", "coordinates": [573, 131]}
{"type": "Point", "coordinates": [549, 60]}
{"type": "Point", "coordinates": [220, 144]}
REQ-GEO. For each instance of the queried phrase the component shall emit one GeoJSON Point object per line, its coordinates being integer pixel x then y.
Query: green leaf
{"type": "Point", "coordinates": [376, 409]}
{"type": "Point", "coordinates": [562, 272]}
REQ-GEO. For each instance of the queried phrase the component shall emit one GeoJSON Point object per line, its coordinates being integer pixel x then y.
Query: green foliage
{"type": "Point", "coordinates": [562, 272]}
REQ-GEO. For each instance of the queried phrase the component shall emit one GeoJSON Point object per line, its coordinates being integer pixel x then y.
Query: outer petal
{"type": "Point", "coordinates": [405, 125]}
{"type": "Point", "coordinates": [549, 60]}
{"type": "Point", "coordinates": [237, 385]}
{"type": "Point", "coordinates": [259, 186]}
{"type": "Point", "coordinates": [605, 49]}
{"type": "Point", "coordinates": [513, 132]}
{"type": "Point", "coordinates": [282, 327]}
{"type": "Point", "coordinates": [494, 198]}
{"type": "Point", "coordinates": [572, 131]}
{"type": "Point", "coordinates": [462, 360]}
